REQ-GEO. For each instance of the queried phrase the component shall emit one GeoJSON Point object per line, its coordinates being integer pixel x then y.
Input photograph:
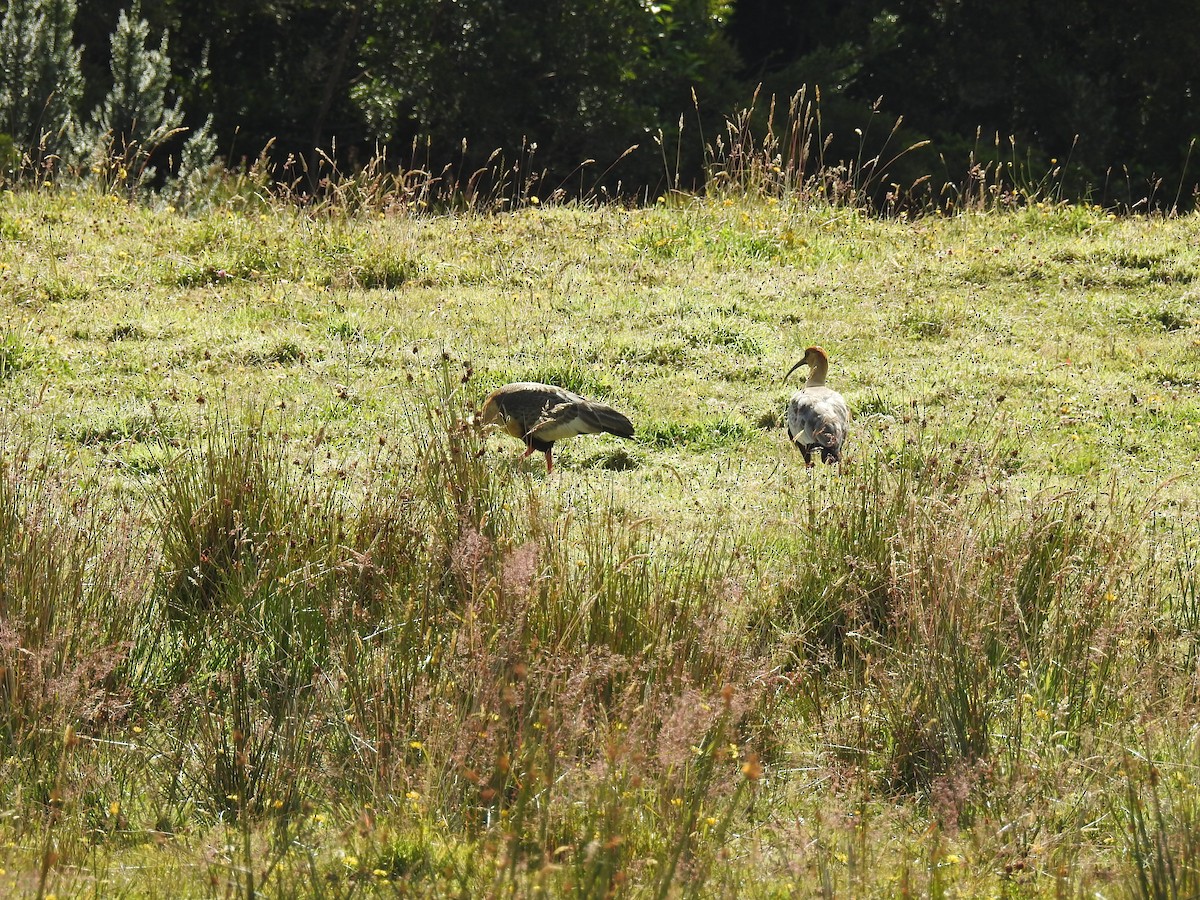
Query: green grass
{"type": "Point", "coordinates": [276, 618]}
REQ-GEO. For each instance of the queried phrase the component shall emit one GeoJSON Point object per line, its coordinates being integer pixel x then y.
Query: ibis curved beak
{"type": "Point", "coordinates": [793, 369]}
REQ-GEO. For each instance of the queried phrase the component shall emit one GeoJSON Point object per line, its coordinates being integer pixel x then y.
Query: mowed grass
{"type": "Point", "coordinates": [276, 618]}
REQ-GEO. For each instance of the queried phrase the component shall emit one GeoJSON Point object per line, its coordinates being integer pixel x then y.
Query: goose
{"type": "Point", "coordinates": [817, 416]}
{"type": "Point", "coordinates": [540, 414]}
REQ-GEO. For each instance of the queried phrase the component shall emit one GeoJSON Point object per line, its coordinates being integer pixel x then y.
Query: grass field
{"type": "Point", "coordinates": [276, 618]}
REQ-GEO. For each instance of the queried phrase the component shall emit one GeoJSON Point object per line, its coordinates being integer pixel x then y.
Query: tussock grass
{"type": "Point", "coordinates": [15, 354]}
{"type": "Point", "coordinates": [1159, 816]}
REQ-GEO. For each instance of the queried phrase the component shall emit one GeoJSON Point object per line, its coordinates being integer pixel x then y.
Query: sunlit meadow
{"type": "Point", "coordinates": [277, 618]}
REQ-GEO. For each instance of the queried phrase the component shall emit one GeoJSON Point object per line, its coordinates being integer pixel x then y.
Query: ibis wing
{"type": "Point", "coordinates": [562, 421]}
{"type": "Point", "coordinates": [580, 417]}
{"type": "Point", "coordinates": [605, 418]}
{"type": "Point", "coordinates": [818, 418]}
{"type": "Point", "coordinates": [834, 417]}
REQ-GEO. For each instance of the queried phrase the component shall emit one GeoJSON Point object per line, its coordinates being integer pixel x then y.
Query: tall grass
{"type": "Point", "coordinates": [431, 630]}
{"type": "Point", "coordinates": [946, 604]}
{"type": "Point", "coordinates": [493, 688]}
{"type": "Point", "coordinates": [780, 153]}
{"type": "Point", "coordinates": [770, 148]}
{"type": "Point", "coordinates": [66, 622]}
{"type": "Point", "coordinates": [388, 182]}
{"type": "Point", "coordinates": [786, 155]}
{"type": "Point", "coordinates": [1160, 814]}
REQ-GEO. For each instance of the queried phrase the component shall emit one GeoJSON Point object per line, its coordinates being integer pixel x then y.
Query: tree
{"type": "Point", "coordinates": [134, 119]}
{"type": "Point", "coordinates": [40, 81]}
{"type": "Point", "coordinates": [193, 183]}
{"type": "Point", "coordinates": [582, 79]}
{"type": "Point", "coordinates": [1110, 86]}
{"type": "Point", "coordinates": [270, 71]}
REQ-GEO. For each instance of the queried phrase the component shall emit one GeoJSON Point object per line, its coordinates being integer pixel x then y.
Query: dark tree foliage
{"type": "Point", "coordinates": [581, 79]}
{"type": "Point", "coordinates": [1111, 86]}
{"type": "Point", "coordinates": [40, 80]}
{"type": "Point", "coordinates": [1108, 89]}
{"type": "Point", "coordinates": [266, 70]}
